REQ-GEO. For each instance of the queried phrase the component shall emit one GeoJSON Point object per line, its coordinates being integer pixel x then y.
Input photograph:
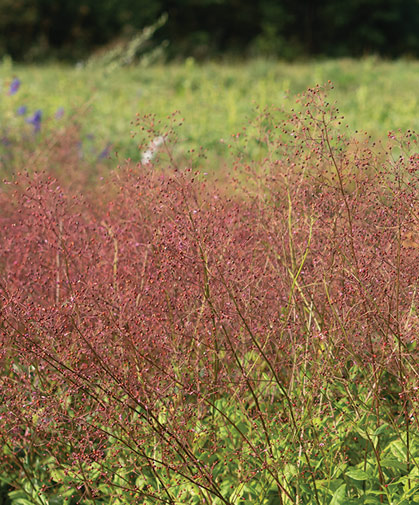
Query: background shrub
{"type": "Point", "coordinates": [73, 28]}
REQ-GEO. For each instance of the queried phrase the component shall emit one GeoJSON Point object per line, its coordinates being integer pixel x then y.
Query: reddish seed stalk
{"type": "Point", "coordinates": [168, 312]}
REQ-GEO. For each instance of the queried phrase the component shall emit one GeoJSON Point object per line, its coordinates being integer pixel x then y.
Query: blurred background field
{"type": "Point", "coordinates": [215, 99]}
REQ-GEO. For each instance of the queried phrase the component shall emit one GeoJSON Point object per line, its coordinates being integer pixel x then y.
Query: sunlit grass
{"type": "Point", "coordinates": [216, 99]}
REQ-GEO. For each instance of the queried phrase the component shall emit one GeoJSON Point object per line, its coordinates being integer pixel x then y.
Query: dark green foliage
{"type": "Point", "coordinates": [4, 494]}
{"type": "Point", "coordinates": [33, 30]}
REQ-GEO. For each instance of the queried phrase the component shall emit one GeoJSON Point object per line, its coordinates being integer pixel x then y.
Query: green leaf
{"type": "Point", "coordinates": [384, 427]}
{"type": "Point", "coordinates": [334, 485]}
{"type": "Point", "coordinates": [16, 494]}
{"type": "Point", "coordinates": [306, 488]}
{"type": "Point", "coordinates": [357, 474]}
{"type": "Point", "coordinates": [57, 475]}
{"type": "Point", "coordinates": [339, 496]}
{"type": "Point", "coordinates": [414, 473]}
{"type": "Point", "coordinates": [290, 471]}
{"type": "Point", "coordinates": [398, 449]}
{"type": "Point", "coordinates": [20, 501]}
{"type": "Point", "coordinates": [377, 492]}
{"type": "Point", "coordinates": [394, 463]}
{"type": "Point", "coordinates": [55, 500]}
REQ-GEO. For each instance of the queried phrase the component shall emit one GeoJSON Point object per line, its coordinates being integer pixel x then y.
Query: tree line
{"type": "Point", "coordinates": [35, 30]}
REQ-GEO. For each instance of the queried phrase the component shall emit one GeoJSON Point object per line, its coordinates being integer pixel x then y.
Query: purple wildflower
{"type": "Point", "coordinates": [21, 111]}
{"type": "Point", "coordinates": [14, 86]}
{"type": "Point", "coordinates": [35, 120]}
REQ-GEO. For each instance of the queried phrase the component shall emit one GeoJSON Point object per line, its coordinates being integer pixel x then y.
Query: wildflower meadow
{"type": "Point", "coordinates": [179, 332]}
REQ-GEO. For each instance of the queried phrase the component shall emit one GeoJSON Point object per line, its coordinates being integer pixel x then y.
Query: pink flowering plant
{"type": "Point", "coordinates": [172, 340]}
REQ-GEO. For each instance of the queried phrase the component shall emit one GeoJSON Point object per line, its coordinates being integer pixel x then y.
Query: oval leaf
{"type": "Point", "coordinates": [357, 474]}
{"type": "Point", "coordinates": [339, 496]}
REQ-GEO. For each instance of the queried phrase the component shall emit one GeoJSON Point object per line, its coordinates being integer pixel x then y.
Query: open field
{"type": "Point", "coordinates": [215, 100]}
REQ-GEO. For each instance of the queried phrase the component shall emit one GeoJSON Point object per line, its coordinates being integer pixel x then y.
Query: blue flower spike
{"type": "Point", "coordinates": [35, 120]}
{"type": "Point", "coordinates": [14, 86]}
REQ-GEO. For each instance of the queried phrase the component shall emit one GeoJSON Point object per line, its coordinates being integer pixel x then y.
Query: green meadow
{"type": "Point", "coordinates": [216, 100]}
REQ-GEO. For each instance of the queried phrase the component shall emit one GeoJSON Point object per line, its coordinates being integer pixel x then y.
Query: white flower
{"type": "Point", "coordinates": [152, 148]}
